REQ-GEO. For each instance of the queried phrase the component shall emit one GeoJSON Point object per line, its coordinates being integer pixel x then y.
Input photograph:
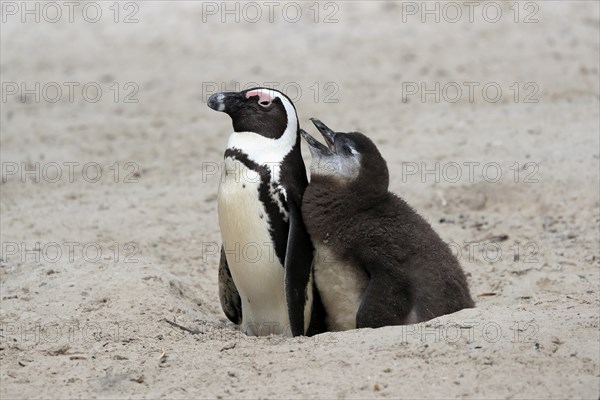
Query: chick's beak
{"type": "Point", "coordinates": [328, 134]}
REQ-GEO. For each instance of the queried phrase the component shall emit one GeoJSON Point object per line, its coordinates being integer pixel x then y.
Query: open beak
{"type": "Point", "coordinates": [313, 143]}
{"type": "Point", "coordinates": [327, 133]}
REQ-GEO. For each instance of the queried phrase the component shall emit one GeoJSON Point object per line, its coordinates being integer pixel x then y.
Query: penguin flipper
{"type": "Point", "coordinates": [298, 266]}
{"type": "Point", "coordinates": [231, 302]}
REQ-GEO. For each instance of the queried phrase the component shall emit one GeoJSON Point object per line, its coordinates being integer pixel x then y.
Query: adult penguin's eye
{"type": "Point", "coordinates": [264, 103]}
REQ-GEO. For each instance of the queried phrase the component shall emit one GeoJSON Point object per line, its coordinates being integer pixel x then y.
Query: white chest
{"type": "Point", "coordinates": [341, 288]}
{"type": "Point", "coordinates": [254, 266]}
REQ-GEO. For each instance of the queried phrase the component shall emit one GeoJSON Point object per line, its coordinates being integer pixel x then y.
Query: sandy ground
{"type": "Point", "coordinates": [83, 315]}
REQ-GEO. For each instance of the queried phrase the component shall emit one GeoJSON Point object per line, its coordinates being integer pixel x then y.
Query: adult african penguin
{"type": "Point", "coordinates": [377, 262]}
{"type": "Point", "coordinates": [265, 273]}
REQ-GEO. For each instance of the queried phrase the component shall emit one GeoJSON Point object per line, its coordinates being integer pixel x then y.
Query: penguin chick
{"type": "Point", "coordinates": [377, 261]}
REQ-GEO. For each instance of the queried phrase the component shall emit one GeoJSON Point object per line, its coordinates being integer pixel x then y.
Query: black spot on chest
{"type": "Point", "coordinates": [270, 194]}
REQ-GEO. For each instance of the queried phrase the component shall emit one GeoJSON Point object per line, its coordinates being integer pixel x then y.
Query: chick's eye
{"type": "Point", "coordinates": [264, 103]}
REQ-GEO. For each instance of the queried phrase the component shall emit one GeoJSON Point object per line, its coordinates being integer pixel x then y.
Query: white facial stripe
{"type": "Point", "coordinates": [266, 151]}
{"type": "Point", "coordinates": [292, 122]}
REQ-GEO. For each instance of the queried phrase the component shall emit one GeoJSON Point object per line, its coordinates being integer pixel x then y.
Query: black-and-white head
{"type": "Point", "coordinates": [264, 111]}
{"type": "Point", "coordinates": [347, 158]}
{"type": "Point", "coordinates": [265, 122]}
